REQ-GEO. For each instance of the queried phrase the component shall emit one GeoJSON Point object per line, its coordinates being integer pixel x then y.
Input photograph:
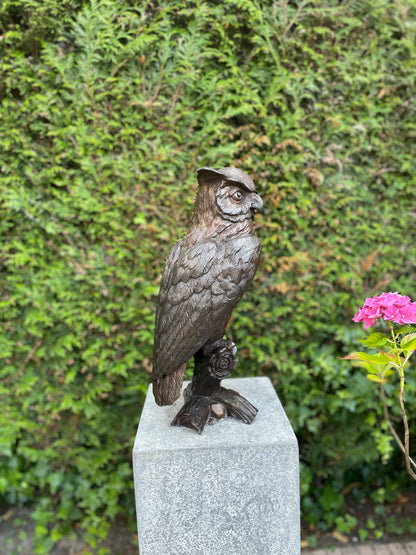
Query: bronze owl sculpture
{"type": "Point", "coordinates": [206, 274]}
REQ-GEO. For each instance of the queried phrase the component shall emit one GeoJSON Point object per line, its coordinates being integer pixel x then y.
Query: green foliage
{"type": "Point", "coordinates": [107, 110]}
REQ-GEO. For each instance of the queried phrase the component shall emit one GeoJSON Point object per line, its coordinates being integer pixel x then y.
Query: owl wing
{"type": "Point", "coordinates": [200, 287]}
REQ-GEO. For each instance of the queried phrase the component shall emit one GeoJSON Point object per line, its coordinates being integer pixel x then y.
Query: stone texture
{"type": "Point", "coordinates": [234, 489]}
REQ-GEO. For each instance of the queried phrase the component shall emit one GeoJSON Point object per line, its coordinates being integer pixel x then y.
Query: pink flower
{"type": "Point", "coordinates": [389, 306]}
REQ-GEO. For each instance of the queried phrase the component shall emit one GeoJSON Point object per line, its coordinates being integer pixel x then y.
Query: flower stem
{"type": "Point", "coordinates": [390, 425]}
{"type": "Point", "coordinates": [405, 448]}
{"type": "Point", "coordinates": [406, 426]}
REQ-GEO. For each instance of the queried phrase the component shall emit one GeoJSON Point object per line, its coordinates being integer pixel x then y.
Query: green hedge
{"type": "Point", "coordinates": [108, 108]}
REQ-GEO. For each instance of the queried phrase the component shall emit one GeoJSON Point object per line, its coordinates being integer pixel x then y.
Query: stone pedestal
{"type": "Point", "coordinates": [233, 490]}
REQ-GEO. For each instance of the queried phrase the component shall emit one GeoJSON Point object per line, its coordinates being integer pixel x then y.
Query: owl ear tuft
{"type": "Point", "coordinates": [209, 176]}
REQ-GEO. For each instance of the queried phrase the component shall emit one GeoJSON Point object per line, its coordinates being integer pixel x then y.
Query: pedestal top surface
{"type": "Point", "coordinates": [270, 426]}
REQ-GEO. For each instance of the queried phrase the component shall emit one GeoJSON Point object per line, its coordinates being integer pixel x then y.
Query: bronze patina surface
{"type": "Point", "coordinates": [206, 274]}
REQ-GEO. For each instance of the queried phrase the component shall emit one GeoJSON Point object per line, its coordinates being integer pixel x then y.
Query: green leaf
{"type": "Point", "coordinates": [404, 329]}
{"type": "Point", "coordinates": [375, 378]}
{"type": "Point", "coordinates": [366, 357]}
{"type": "Point", "coordinates": [371, 367]}
{"type": "Point", "coordinates": [409, 342]}
{"type": "Point", "coordinates": [375, 340]}
{"type": "Point", "coordinates": [139, 219]}
{"type": "Point", "coordinates": [56, 535]}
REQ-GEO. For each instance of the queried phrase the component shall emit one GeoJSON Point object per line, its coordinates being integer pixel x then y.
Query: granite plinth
{"type": "Point", "coordinates": [232, 490]}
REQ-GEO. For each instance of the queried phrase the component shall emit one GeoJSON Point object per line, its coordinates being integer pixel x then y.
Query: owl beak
{"type": "Point", "coordinates": [256, 203]}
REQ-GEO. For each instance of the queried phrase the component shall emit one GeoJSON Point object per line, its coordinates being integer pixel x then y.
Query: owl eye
{"type": "Point", "coordinates": [237, 196]}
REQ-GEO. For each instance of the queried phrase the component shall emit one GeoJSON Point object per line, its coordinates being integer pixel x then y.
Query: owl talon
{"type": "Point", "coordinates": [200, 410]}
{"type": "Point", "coordinates": [206, 402]}
{"type": "Point", "coordinates": [194, 414]}
{"type": "Point", "coordinates": [237, 406]}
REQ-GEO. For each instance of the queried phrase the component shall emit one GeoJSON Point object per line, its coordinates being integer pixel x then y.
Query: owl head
{"type": "Point", "coordinates": [228, 193]}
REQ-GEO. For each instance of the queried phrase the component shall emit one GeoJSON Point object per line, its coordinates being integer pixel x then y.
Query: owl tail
{"type": "Point", "coordinates": [169, 388]}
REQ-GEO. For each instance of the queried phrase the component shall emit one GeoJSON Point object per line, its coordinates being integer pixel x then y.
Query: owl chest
{"type": "Point", "coordinates": [233, 267]}
{"type": "Point", "coordinates": [212, 271]}
{"type": "Point", "coordinates": [235, 254]}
